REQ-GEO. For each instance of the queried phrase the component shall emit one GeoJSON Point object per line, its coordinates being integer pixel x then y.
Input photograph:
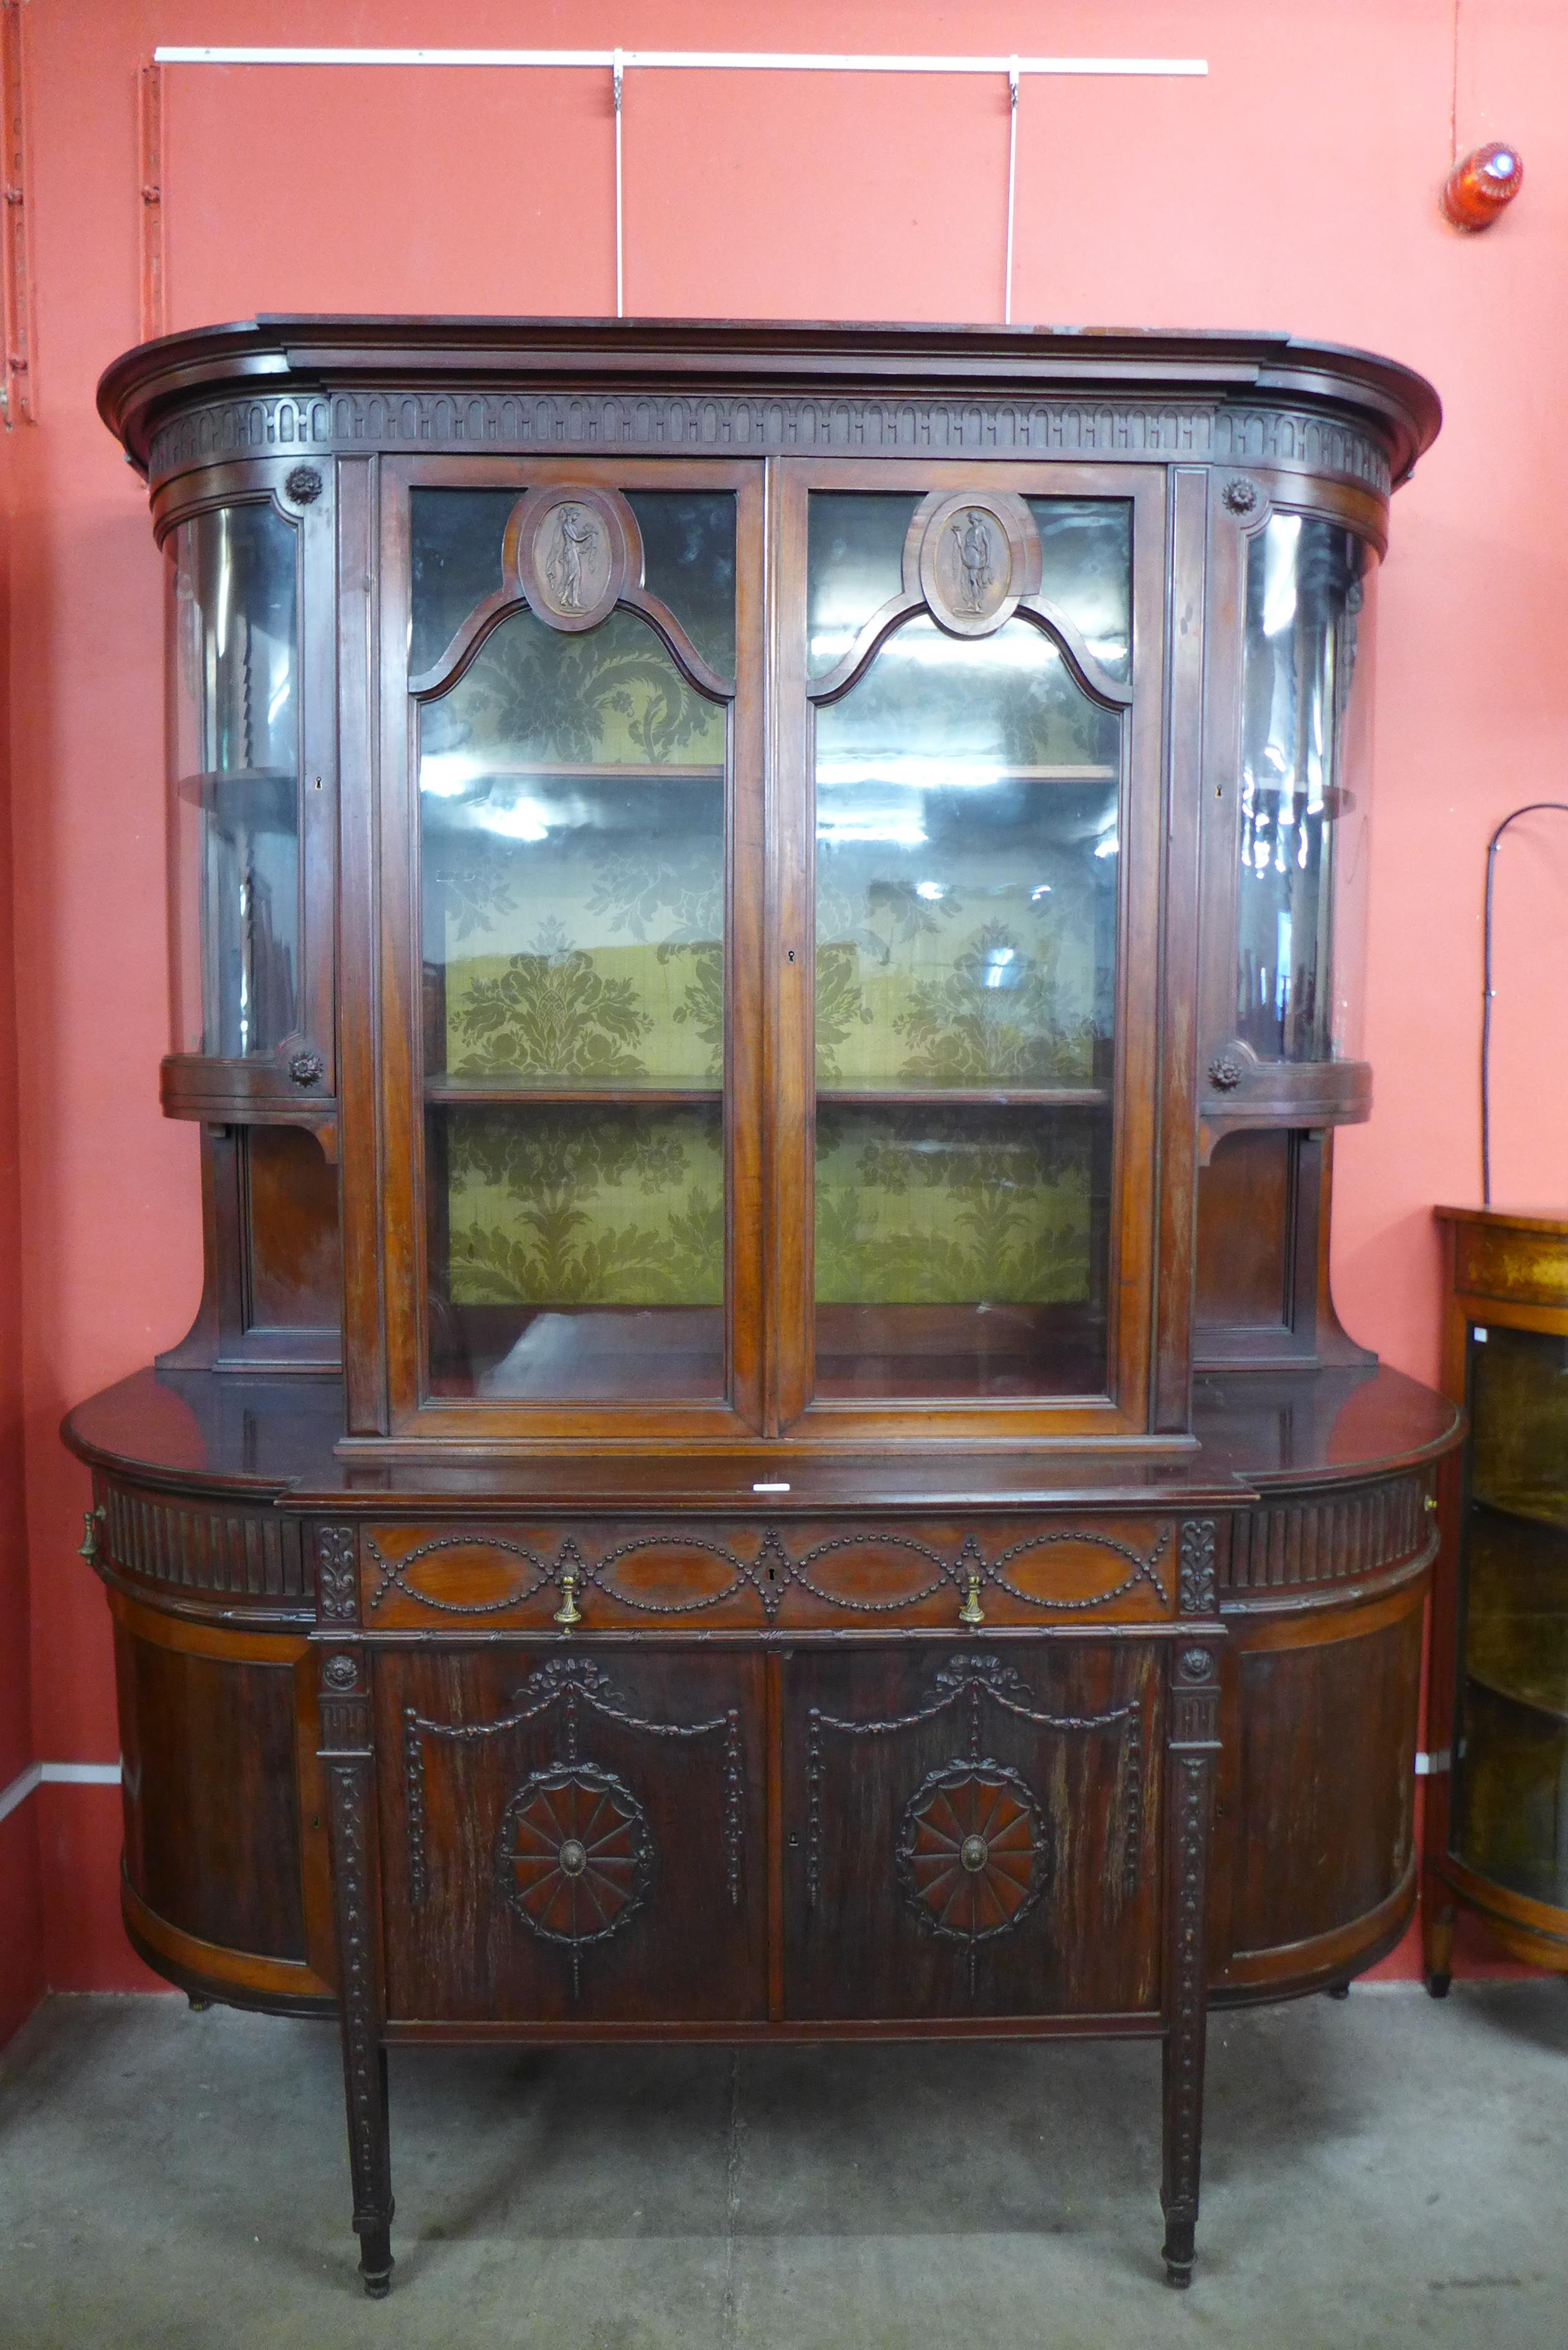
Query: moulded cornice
{"type": "Point", "coordinates": [278, 384]}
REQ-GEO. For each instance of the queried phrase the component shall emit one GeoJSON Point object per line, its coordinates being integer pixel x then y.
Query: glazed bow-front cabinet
{"type": "Point", "coordinates": [763, 949]}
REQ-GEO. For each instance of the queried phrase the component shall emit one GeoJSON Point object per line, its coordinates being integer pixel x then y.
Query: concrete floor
{"type": "Point", "coordinates": [1378, 2171]}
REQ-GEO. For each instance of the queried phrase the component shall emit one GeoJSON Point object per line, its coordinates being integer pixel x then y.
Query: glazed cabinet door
{"type": "Point", "coordinates": [564, 1843]}
{"type": "Point", "coordinates": [572, 841]}
{"type": "Point", "coordinates": [970, 688]}
{"type": "Point", "coordinates": [972, 1834]}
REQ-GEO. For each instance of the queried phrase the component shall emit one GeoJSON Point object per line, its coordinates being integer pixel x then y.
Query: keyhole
{"type": "Point", "coordinates": [789, 957]}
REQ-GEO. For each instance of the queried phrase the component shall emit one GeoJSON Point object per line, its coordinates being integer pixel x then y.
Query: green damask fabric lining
{"type": "Point", "coordinates": [918, 1207]}
{"type": "Point", "coordinates": [624, 1207]}
{"type": "Point", "coordinates": [586, 1207]}
{"type": "Point", "coordinates": [598, 960]}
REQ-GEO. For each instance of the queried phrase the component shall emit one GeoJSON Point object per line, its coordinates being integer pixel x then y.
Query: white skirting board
{"type": "Point", "coordinates": [67, 1774]}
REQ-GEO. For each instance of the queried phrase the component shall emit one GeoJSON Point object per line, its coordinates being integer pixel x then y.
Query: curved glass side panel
{"type": "Point", "coordinates": [967, 797]}
{"type": "Point", "coordinates": [572, 859]}
{"type": "Point", "coordinates": [1511, 1762]}
{"type": "Point", "coordinates": [234, 729]}
{"type": "Point", "coordinates": [1306, 770]}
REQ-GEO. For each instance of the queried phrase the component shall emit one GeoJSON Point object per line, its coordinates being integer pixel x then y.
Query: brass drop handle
{"type": "Point", "coordinates": [88, 1548]}
{"type": "Point", "coordinates": [568, 1612]}
{"type": "Point", "coordinates": [972, 1612]}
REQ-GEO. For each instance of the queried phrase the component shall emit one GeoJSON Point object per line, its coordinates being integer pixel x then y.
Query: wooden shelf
{"type": "Point", "coordinates": [966, 1097]}
{"type": "Point", "coordinates": [615, 771]}
{"type": "Point", "coordinates": [483, 1092]}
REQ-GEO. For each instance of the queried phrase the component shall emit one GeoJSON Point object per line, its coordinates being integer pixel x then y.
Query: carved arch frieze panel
{"type": "Point", "coordinates": [971, 560]}
{"type": "Point", "coordinates": [572, 554]}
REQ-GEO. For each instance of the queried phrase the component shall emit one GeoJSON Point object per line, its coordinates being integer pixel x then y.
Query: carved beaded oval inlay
{"type": "Point", "coordinates": [574, 1856]}
{"type": "Point", "coordinates": [973, 1856]}
{"type": "Point", "coordinates": [767, 1572]}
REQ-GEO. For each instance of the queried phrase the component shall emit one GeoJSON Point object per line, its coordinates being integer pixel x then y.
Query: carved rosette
{"type": "Point", "coordinates": [574, 550]}
{"type": "Point", "coordinates": [973, 1856]}
{"type": "Point", "coordinates": [573, 1858]}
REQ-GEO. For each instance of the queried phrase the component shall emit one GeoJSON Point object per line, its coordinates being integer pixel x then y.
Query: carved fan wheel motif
{"type": "Point", "coordinates": [574, 1856]}
{"type": "Point", "coordinates": [973, 1855]}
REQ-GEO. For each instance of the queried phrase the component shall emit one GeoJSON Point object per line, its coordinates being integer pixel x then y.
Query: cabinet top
{"type": "Point", "coordinates": [762, 386]}
{"type": "Point", "coordinates": [277, 1436]}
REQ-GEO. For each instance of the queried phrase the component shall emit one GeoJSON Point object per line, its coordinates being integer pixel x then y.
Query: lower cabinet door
{"type": "Point", "coordinates": [567, 1839]}
{"type": "Point", "coordinates": [972, 1831]}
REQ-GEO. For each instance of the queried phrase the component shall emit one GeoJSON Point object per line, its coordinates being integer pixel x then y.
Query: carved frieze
{"type": "Point", "coordinates": [1341, 1536]}
{"type": "Point", "coordinates": [759, 424]}
{"type": "Point", "coordinates": [254, 1554]}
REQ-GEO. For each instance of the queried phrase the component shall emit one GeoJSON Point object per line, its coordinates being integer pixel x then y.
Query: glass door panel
{"type": "Point", "coordinates": [967, 790]}
{"type": "Point", "coordinates": [572, 783]}
{"type": "Point", "coordinates": [1510, 1767]}
{"type": "Point", "coordinates": [233, 735]}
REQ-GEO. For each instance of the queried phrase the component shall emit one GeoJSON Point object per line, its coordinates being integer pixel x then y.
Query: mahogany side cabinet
{"type": "Point", "coordinates": [764, 947]}
{"type": "Point", "coordinates": [1496, 1821]}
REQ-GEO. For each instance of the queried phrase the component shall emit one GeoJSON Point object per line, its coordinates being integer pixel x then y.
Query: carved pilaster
{"type": "Point", "coordinates": [346, 1754]}
{"type": "Point", "coordinates": [1197, 1576]}
{"type": "Point", "coordinates": [337, 1582]}
{"type": "Point", "coordinates": [1192, 1744]}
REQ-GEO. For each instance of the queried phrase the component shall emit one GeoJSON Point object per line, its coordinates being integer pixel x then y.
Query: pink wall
{"type": "Point", "coordinates": [1295, 187]}
{"type": "Point", "coordinates": [21, 1891]}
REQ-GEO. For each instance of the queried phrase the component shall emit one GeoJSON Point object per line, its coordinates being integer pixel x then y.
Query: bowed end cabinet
{"type": "Point", "coordinates": [764, 950]}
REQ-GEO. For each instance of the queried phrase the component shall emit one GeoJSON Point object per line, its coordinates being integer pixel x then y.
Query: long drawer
{"type": "Point", "coordinates": [752, 1573]}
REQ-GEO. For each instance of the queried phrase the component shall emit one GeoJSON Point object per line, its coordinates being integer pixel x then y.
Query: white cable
{"type": "Point", "coordinates": [1011, 181]}
{"type": "Point", "coordinates": [617, 69]}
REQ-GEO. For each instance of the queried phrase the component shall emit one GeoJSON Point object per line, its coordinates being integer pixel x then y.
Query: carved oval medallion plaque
{"type": "Point", "coordinates": [973, 1854]}
{"type": "Point", "coordinates": [974, 561]}
{"type": "Point", "coordinates": [573, 1855]}
{"type": "Point", "coordinates": [574, 550]}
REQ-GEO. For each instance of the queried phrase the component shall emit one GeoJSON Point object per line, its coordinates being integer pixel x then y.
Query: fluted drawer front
{"type": "Point", "coordinates": [753, 1572]}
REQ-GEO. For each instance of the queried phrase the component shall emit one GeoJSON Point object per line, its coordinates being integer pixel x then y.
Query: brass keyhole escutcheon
{"type": "Point", "coordinates": [972, 1612]}
{"type": "Point", "coordinates": [568, 1612]}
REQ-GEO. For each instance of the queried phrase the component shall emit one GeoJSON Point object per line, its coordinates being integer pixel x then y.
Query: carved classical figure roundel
{"type": "Point", "coordinates": [977, 556]}
{"type": "Point", "coordinates": [573, 1855]}
{"type": "Point", "coordinates": [974, 1855]}
{"type": "Point", "coordinates": [574, 550]}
